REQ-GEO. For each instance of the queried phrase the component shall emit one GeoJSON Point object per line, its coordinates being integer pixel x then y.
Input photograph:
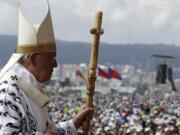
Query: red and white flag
{"type": "Point", "coordinates": [114, 74]}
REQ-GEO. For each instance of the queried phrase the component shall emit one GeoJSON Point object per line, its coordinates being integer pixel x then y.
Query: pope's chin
{"type": "Point", "coordinates": [45, 79]}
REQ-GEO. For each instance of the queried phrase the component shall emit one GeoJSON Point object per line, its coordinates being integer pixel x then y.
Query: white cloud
{"type": "Point", "coordinates": [161, 19]}
{"type": "Point", "coordinates": [123, 20]}
{"type": "Point", "coordinates": [118, 15]}
{"type": "Point", "coordinates": [7, 18]}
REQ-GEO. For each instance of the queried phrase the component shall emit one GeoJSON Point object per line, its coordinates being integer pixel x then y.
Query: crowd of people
{"type": "Point", "coordinates": [123, 115]}
{"type": "Point", "coordinates": [23, 107]}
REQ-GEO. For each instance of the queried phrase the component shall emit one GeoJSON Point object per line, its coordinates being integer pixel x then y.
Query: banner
{"type": "Point", "coordinates": [80, 75]}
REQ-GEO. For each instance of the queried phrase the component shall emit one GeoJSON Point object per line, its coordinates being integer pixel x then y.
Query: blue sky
{"type": "Point", "coordinates": [124, 21]}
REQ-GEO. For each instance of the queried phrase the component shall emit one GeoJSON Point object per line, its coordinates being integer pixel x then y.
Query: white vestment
{"type": "Point", "coordinates": [19, 114]}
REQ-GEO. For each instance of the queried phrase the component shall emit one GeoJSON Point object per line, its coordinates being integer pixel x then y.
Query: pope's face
{"type": "Point", "coordinates": [44, 67]}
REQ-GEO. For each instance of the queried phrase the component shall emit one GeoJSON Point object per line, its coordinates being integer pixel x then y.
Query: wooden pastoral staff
{"type": "Point", "coordinates": [96, 31]}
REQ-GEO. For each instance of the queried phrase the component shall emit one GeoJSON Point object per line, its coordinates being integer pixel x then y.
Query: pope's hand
{"type": "Point", "coordinates": [83, 115]}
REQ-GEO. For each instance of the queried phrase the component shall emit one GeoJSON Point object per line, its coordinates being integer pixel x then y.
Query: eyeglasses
{"type": "Point", "coordinates": [49, 57]}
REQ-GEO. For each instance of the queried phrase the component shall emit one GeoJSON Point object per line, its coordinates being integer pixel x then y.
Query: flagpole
{"type": "Point", "coordinates": [96, 31]}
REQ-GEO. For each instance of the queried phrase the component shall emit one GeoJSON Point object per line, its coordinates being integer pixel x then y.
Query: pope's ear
{"type": "Point", "coordinates": [33, 59]}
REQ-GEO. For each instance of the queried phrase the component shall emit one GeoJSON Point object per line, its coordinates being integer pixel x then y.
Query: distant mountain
{"type": "Point", "coordinates": [79, 52]}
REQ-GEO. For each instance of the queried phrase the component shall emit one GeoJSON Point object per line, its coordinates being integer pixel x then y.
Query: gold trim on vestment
{"type": "Point", "coordinates": [37, 48]}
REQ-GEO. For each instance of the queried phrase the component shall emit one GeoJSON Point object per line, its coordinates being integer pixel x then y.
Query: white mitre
{"type": "Point", "coordinates": [32, 39]}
